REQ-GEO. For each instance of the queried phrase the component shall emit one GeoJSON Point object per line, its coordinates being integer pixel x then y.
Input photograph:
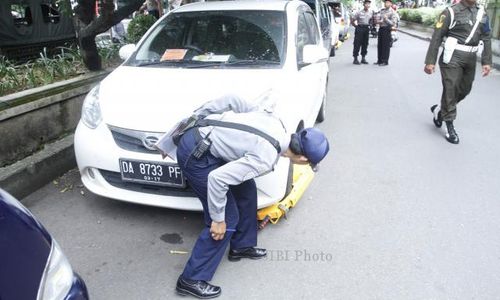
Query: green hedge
{"type": "Point", "coordinates": [44, 70]}
{"type": "Point", "coordinates": [138, 27]}
{"type": "Point", "coordinates": [422, 15]}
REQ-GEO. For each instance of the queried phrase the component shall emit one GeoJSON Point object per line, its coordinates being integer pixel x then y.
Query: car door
{"type": "Point", "coordinates": [311, 77]}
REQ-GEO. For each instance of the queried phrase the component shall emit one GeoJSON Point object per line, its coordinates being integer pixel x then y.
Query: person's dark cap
{"type": "Point", "coordinates": [314, 145]}
{"type": "Point", "coordinates": [367, 1]}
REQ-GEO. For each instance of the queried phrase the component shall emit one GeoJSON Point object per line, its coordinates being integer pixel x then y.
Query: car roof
{"type": "Point", "coordinates": [236, 5]}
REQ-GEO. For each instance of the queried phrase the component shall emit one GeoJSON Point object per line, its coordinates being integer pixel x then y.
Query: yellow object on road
{"type": "Point", "coordinates": [302, 177]}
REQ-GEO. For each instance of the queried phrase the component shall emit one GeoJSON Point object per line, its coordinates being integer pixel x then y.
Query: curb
{"type": "Point", "coordinates": [424, 38]}
{"type": "Point", "coordinates": [26, 176]}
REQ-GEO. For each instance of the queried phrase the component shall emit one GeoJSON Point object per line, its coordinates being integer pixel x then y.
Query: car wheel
{"type": "Point", "coordinates": [322, 111]}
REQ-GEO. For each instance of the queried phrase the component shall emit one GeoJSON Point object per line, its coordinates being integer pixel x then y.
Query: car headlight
{"type": "Point", "coordinates": [91, 111]}
{"type": "Point", "coordinates": [57, 277]}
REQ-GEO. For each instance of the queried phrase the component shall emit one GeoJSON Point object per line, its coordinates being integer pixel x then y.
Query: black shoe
{"type": "Point", "coordinates": [437, 119]}
{"type": "Point", "coordinates": [376, 63]}
{"type": "Point", "coordinates": [198, 288]}
{"type": "Point", "coordinates": [251, 252]}
{"type": "Point", "coordinates": [363, 61]}
{"type": "Point", "coordinates": [451, 134]}
{"type": "Point", "coordinates": [356, 61]}
{"type": "Point", "coordinates": [383, 64]}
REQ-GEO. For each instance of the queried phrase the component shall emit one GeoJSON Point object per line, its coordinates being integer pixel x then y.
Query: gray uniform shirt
{"type": "Point", "coordinates": [391, 17]}
{"type": "Point", "coordinates": [363, 17]}
{"type": "Point", "coordinates": [247, 155]}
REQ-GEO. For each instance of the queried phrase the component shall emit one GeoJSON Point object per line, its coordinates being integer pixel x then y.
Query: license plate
{"type": "Point", "coordinates": [152, 173]}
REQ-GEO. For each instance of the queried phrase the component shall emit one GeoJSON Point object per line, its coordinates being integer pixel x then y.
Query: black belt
{"type": "Point", "coordinates": [363, 26]}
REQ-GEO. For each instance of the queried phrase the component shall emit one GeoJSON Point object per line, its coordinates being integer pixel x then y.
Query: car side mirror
{"type": "Point", "coordinates": [314, 54]}
{"type": "Point", "coordinates": [126, 51]}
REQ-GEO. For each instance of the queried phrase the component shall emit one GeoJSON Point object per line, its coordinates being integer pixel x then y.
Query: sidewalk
{"type": "Point", "coordinates": [426, 36]}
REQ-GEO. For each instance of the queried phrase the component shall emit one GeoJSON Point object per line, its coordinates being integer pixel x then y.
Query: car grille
{"type": "Point", "coordinates": [133, 140]}
{"type": "Point", "coordinates": [115, 179]}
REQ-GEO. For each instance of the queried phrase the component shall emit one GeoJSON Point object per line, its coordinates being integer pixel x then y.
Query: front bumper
{"type": "Point", "coordinates": [78, 290]}
{"type": "Point", "coordinates": [97, 156]}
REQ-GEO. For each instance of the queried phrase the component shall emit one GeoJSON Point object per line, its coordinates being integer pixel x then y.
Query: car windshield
{"type": "Point", "coordinates": [214, 39]}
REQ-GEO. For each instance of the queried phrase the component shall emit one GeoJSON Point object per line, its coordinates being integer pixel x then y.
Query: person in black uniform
{"type": "Point", "coordinates": [386, 21]}
{"type": "Point", "coordinates": [362, 20]}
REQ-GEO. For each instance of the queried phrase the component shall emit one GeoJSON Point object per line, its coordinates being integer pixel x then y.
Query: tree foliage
{"type": "Point", "coordinates": [138, 27]}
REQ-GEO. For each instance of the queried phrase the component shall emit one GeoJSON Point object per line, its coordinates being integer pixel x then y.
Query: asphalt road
{"type": "Point", "coordinates": [395, 212]}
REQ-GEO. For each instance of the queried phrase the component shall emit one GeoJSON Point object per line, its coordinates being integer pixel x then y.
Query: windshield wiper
{"type": "Point", "coordinates": [205, 64]}
{"type": "Point", "coordinates": [252, 62]}
{"type": "Point", "coordinates": [159, 62]}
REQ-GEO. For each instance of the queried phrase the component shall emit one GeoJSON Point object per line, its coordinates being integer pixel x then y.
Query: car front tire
{"type": "Point", "coordinates": [322, 111]}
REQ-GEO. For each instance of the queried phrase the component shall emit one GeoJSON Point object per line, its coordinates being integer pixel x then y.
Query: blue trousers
{"type": "Point", "coordinates": [241, 210]}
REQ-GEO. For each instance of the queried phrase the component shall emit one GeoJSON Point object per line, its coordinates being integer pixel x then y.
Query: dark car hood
{"type": "Point", "coordinates": [24, 249]}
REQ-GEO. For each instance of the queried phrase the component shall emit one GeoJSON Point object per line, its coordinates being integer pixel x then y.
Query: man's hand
{"type": "Point", "coordinates": [429, 69]}
{"type": "Point", "coordinates": [218, 229]}
{"type": "Point", "coordinates": [486, 70]}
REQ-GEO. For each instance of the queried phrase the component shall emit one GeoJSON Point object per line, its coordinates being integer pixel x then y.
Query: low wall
{"type": "Point", "coordinates": [36, 132]}
{"type": "Point", "coordinates": [32, 118]}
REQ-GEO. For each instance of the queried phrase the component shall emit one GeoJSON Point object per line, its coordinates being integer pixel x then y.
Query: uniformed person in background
{"type": "Point", "coordinates": [387, 19]}
{"type": "Point", "coordinates": [222, 176]}
{"type": "Point", "coordinates": [361, 21]}
{"type": "Point", "coordinates": [463, 25]}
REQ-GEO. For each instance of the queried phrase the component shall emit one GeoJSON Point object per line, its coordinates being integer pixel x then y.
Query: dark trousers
{"type": "Point", "coordinates": [241, 211]}
{"type": "Point", "coordinates": [384, 44]}
{"type": "Point", "coordinates": [456, 77]}
{"type": "Point", "coordinates": [361, 37]}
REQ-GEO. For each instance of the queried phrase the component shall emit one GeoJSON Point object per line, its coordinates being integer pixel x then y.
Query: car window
{"type": "Point", "coordinates": [223, 36]}
{"type": "Point", "coordinates": [307, 33]}
{"type": "Point", "coordinates": [324, 21]}
{"type": "Point", "coordinates": [313, 28]}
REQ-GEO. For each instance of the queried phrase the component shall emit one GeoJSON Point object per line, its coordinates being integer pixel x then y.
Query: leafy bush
{"type": "Point", "coordinates": [403, 13]}
{"type": "Point", "coordinates": [44, 70]}
{"type": "Point", "coordinates": [423, 15]}
{"type": "Point", "coordinates": [138, 27]}
{"type": "Point", "coordinates": [414, 16]}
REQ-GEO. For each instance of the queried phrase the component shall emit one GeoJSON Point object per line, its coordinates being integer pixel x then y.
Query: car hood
{"type": "Point", "coordinates": [153, 99]}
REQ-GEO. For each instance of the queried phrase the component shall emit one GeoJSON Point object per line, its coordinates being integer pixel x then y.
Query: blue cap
{"type": "Point", "coordinates": [314, 145]}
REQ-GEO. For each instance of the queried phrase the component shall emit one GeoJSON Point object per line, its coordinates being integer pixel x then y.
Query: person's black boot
{"type": "Point", "coordinates": [251, 252]}
{"type": "Point", "coordinates": [356, 61]}
{"type": "Point", "coordinates": [363, 61]}
{"type": "Point", "coordinates": [437, 119]}
{"type": "Point", "coordinates": [198, 288]}
{"type": "Point", "coordinates": [451, 134]}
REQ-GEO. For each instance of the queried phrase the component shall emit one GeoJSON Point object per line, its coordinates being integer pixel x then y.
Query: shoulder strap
{"type": "Point", "coordinates": [242, 127]}
{"type": "Point", "coordinates": [479, 16]}
{"type": "Point", "coordinates": [452, 18]}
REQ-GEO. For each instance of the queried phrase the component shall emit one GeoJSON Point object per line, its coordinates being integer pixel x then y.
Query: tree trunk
{"type": "Point", "coordinates": [88, 26]}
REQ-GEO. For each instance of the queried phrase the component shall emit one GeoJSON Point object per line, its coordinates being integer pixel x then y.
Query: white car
{"type": "Point", "coordinates": [259, 50]}
{"type": "Point", "coordinates": [335, 29]}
